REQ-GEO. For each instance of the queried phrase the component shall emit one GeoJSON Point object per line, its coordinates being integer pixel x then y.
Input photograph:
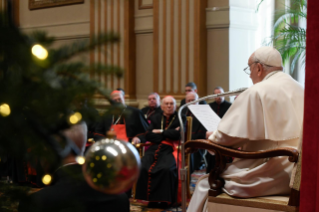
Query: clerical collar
{"type": "Point", "coordinates": [271, 74]}
{"type": "Point", "coordinates": [167, 118]}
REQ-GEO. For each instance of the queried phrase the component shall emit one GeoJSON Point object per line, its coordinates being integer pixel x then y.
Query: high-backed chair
{"type": "Point", "coordinates": [188, 136]}
{"type": "Point", "coordinates": [218, 201]}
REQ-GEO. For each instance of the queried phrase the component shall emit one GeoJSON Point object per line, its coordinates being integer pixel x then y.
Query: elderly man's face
{"type": "Point", "coordinates": [191, 97]}
{"type": "Point", "coordinates": [219, 100]}
{"type": "Point", "coordinates": [118, 98]}
{"type": "Point", "coordinates": [255, 70]}
{"type": "Point", "coordinates": [153, 101]}
{"type": "Point", "coordinates": [168, 106]}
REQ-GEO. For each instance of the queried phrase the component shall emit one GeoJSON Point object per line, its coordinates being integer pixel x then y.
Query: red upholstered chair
{"type": "Point", "coordinates": [218, 201]}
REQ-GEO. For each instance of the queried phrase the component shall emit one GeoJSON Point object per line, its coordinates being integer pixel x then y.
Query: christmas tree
{"type": "Point", "coordinates": [43, 90]}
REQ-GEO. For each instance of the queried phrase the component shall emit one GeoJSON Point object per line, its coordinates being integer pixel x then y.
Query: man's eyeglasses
{"type": "Point", "coordinates": [247, 69]}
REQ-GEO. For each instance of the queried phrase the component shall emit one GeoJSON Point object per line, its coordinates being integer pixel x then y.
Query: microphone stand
{"type": "Point", "coordinates": [183, 173]}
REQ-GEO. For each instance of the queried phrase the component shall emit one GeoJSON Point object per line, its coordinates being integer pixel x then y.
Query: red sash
{"type": "Point", "coordinates": [178, 160]}
{"type": "Point", "coordinates": [120, 131]}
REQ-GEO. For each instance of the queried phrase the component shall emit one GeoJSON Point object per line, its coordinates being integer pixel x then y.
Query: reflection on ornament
{"type": "Point", "coordinates": [46, 179]}
{"type": "Point", "coordinates": [5, 110]}
{"type": "Point", "coordinates": [40, 52]}
{"type": "Point", "coordinates": [111, 166]}
{"type": "Point", "coordinates": [75, 118]}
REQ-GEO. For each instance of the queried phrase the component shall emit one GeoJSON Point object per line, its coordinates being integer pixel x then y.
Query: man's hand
{"type": "Point", "coordinates": [158, 131]}
{"type": "Point", "coordinates": [177, 128]}
{"type": "Point", "coordinates": [208, 133]}
{"type": "Point", "coordinates": [136, 140]}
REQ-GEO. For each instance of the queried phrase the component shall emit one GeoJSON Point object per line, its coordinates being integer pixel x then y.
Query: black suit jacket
{"type": "Point", "coordinates": [70, 192]}
{"type": "Point", "coordinates": [145, 110]}
{"type": "Point", "coordinates": [223, 107]}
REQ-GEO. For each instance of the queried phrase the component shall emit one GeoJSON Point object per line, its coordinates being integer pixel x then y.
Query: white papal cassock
{"type": "Point", "coordinates": [268, 115]}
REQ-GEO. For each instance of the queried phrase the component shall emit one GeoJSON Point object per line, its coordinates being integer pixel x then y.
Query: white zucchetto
{"type": "Point", "coordinates": [269, 56]}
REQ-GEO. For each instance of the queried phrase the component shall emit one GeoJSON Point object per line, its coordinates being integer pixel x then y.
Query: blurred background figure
{"type": "Point", "coordinates": [153, 106]}
{"type": "Point", "coordinates": [129, 123]}
{"type": "Point", "coordinates": [69, 190]}
{"type": "Point", "coordinates": [191, 87]}
{"type": "Point", "coordinates": [220, 105]}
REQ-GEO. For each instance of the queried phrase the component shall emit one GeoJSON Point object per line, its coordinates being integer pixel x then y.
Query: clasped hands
{"type": "Point", "coordinates": [160, 130]}
{"type": "Point", "coordinates": [136, 140]}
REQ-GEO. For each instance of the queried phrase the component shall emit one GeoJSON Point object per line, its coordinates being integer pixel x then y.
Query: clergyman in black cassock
{"type": "Point", "coordinates": [134, 121]}
{"type": "Point", "coordinates": [153, 106]}
{"type": "Point", "coordinates": [132, 118]}
{"type": "Point", "coordinates": [158, 181]}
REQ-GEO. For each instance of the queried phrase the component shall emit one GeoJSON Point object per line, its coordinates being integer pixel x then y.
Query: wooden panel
{"type": "Point", "coordinates": [156, 45]}
{"type": "Point", "coordinates": [200, 46]}
{"type": "Point", "coordinates": [116, 16]}
{"type": "Point", "coordinates": [112, 45]}
{"type": "Point", "coordinates": [164, 47]}
{"type": "Point", "coordinates": [105, 45]}
{"type": "Point", "coordinates": [118, 13]}
{"type": "Point", "coordinates": [179, 35]}
{"type": "Point", "coordinates": [187, 41]}
{"type": "Point", "coordinates": [99, 56]}
{"type": "Point", "coordinates": [130, 42]}
{"type": "Point", "coordinates": [172, 46]}
{"type": "Point", "coordinates": [177, 45]}
{"type": "Point", "coordinates": [92, 24]}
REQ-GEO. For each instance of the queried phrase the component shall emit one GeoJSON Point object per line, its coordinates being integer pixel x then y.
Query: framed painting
{"type": "Point", "coordinates": [39, 4]}
{"type": "Point", "coordinates": [145, 4]}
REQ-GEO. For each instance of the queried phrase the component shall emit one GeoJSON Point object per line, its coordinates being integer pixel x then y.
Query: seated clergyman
{"type": "Point", "coordinates": [153, 107]}
{"type": "Point", "coordinates": [158, 182]}
{"type": "Point", "coordinates": [130, 125]}
{"type": "Point", "coordinates": [268, 115]}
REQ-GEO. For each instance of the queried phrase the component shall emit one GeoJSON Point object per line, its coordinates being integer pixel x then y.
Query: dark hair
{"type": "Point", "coordinates": [192, 85]}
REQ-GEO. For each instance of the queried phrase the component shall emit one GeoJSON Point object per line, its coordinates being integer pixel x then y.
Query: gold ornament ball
{"type": "Point", "coordinates": [111, 166]}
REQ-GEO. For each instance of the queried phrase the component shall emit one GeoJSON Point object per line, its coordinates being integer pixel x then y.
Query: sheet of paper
{"type": "Point", "coordinates": [206, 116]}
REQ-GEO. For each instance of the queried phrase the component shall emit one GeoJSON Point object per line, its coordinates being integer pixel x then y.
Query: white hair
{"type": "Point", "coordinates": [169, 97]}
{"type": "Point", "coordinates": [194, 94]}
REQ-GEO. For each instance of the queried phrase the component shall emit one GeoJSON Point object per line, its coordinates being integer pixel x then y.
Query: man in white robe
{"type": "Point", "coordinates": [268, 115]}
